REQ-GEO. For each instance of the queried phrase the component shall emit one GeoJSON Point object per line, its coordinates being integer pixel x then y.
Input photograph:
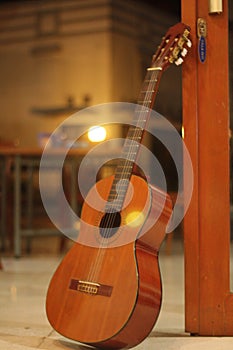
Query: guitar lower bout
{"type": "Point", "coordinates": [100, 295]}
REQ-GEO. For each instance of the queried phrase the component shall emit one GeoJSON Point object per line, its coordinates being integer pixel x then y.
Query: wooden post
{"type": "Point", "coordinates": [208, 301]}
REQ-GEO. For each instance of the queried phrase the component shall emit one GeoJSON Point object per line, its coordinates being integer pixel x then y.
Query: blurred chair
{"type": "Point", "coordinates": [6, 195]}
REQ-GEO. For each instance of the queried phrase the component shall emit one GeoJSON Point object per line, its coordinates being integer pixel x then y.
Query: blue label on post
{"type": "Point", "coordinates": [202, 49]}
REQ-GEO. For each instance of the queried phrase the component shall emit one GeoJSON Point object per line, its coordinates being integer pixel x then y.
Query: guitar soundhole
{"type": "Point", "coordinates": [109, 224]}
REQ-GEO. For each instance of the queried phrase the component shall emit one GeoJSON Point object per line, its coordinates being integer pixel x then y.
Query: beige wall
{"type": "Point", "coordinates": [52, 50]}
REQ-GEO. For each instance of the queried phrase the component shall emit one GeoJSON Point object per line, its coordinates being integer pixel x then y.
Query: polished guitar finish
{"type": "Point", "coordinates": [107, 292]}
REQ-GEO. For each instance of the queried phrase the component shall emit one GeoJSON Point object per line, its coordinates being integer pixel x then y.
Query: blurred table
{"type": "Point", "coordinates": [14, 159]}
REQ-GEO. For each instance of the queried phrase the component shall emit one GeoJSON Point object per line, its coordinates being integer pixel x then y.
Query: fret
{"type": "Point", "coordinates": [125, 174]}
{"type": "Point", "coordinates": [112, 209]}
{"type": "Point", "coordinates": [135, 133]}
{"type": "Point", "coordinates": [136, 128]}
{"type": "Point", "coordinates": [133, 153]}
{"type": "Point", "coordinates": [150, 80]}
{"type": "Point", "coordinates": [147, 91]}
{"type": "Point", "coordinates": [133, 138]}
{"type": "Point", "coordinates": [121, 191]}
{"type": "Point", "coordinates": [140, 112]}
{"type": "Point", "coordinates": [143, 101]}
{"type": "Point", "coordinates": [118, 193]}
{"type": "Point", "coordinates": [124, 162]}
{"type": "Point", "coordinates": [141, 109]}
{"type": "Point", "coordinates": [132, 143]}
{"type": "Point", "coordinates": [116, 196]}
{"type": "Point", "coordinates": [130, 139]}
{"type": "Point", "coordinates": [142, 121]}
{"type": "Point", "coordinates": [127, 169]}
{"type": "Point", "coordinates": [127, 163]}
{"type": "Point", "coordinates": [123, 166]}
{"type": "Point", "coordinates": [127, 148]}
{"type": "Point", "coordinates": [154, 68]}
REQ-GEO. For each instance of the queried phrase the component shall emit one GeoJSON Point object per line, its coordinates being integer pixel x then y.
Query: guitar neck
{"type": "Point", "coordinates": [172, 49]}
{"type": "Point", "coordinates": [150, 87]}
{"type": "Point", "coordinates": [134, 136]}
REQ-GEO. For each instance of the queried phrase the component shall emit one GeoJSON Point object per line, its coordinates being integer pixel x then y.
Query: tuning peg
{"type": "Point", "coordinates": [189, 43]}
{"type": "Point", "coordinates": [179, 61]}
{"type": "Point", "coordinates": [184, 52]}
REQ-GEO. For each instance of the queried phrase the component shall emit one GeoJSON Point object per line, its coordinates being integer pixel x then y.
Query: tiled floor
{"type": "Point", "coordinates": [23, 322]}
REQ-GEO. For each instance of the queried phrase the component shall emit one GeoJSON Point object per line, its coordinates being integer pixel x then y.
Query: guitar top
{"type": "Point", "coordinates": [107, 293]}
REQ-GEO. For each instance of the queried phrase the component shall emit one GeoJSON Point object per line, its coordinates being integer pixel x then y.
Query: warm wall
{"type": "Point", "coordinates": [53, 50]}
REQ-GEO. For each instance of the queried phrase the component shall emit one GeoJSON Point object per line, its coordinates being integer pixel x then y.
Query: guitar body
{"type": "Point", "coordinates": [110, 297]}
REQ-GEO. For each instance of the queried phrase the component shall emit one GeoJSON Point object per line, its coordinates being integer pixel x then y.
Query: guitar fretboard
{"type": "Point", "coordinates": [133, 140]}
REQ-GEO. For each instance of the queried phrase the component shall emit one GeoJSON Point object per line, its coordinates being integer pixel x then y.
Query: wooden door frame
{"type": "Point", "coordinates": [208, 300]}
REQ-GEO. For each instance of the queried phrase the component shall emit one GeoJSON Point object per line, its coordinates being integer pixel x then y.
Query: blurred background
{"type": "Point", "coordinates": [57, 57]}
{"type": "Point", "coordinates": [60, 56]}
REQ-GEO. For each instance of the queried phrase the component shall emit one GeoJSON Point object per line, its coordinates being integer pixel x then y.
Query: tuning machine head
{"type": "Point", "coordinates": [173, 48]}
{"type": "Point", "coordinates": [189, 43]}
{"type": "Point", "coordinates": [179, 61]}
{"type": "Point", "coordinates": [183, 44]}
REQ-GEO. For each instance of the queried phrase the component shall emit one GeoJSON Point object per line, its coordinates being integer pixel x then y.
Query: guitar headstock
{"type": "Point", "coordinates": [173, 48]}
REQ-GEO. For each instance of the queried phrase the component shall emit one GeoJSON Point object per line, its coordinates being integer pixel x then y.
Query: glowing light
{"type": "Point", "coordinates": [182, 132]}
{"type": "Point", "coordinates": [97, 134]}
{"type": "Point", "coordinates": [135, 218]}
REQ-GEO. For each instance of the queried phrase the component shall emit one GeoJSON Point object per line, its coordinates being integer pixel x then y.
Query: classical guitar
{"type": "Point", "coordinates": [107, 293]}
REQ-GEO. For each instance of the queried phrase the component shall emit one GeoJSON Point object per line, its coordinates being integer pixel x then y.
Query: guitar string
{"type": "Point", "coordinates": [138, 130]}
{"type": "Point", "coordinates": [109, 226]}
{"type": "Point", "coordinates": [137, 134]}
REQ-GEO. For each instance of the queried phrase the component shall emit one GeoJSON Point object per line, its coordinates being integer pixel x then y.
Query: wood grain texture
{"type": "Point", "coordinates": [191, 219]}
{"type": "Point", "coordinates": [206, 121]}
{"type": "Point", "coordinates": [131, 269]}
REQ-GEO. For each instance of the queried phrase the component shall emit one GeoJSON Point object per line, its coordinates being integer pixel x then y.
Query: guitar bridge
{"type": "Point", "coordinates": [90, 288]}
